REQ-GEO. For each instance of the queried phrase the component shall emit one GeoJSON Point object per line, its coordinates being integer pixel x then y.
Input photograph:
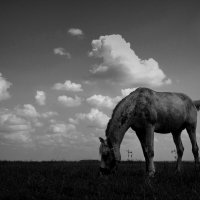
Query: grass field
{"type": "Point", "coordinates": [78, 180]}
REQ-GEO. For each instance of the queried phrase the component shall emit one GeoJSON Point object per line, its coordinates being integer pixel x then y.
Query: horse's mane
{"type": "Point", "coordinates": [113, 114]}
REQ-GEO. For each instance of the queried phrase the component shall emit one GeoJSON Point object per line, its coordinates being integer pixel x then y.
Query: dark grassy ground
{"type": "Point", "coordinates": [78, 180]}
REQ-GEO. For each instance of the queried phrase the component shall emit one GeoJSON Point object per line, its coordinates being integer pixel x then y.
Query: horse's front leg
{"type": "Point", "coordinates": [149, 149]}
{"type": "Point", "coordinates": [146, 138]}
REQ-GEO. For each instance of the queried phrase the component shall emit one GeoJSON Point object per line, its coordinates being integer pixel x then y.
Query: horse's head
{"type": "Point", "coordinates": [108, 161]}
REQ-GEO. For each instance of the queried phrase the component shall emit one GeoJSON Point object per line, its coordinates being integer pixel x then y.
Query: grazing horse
{"type": "Point", "coordinates": [147, 111]}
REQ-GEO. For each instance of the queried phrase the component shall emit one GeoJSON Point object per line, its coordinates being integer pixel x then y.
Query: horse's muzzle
{"type": "Point", "coordinates": [104, 171]}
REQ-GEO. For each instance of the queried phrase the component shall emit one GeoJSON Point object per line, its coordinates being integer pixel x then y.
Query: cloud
{"type": "Point", "coordinates": [62, 52]}
{"type": "Point", "coordinates": [4, 85]}
{"type": "Point", "coordinates": [73, 121]}
{"type": "Point", "coordinates": [17, 125]}
{"type": "Point", "coordinates": [61, 128]}
{"type": "Point", "coordinates": [6, 116]}
{"type": "Point", "coordinates": [106, 101]}
{"type": "Point", "coordinates": [121, 64]}
{"type": "Point", "coordinates": [75, 32]}
{"type": "Point", "coordinates": [20, 136]}
{"type": "Point", "coordinates": [27, 110]}
{"type": "Point", "coordinates": [103, 101]}
{"type": "Point", "coordinates": [94, 118]}
{"type": "Point", "coordinates": [127, 91]}
{"type": "Point", "coordinates": [58, 133]}
{"type": "Point", "coordinates": [49, 114]}
{"type": "Point", "coordinates": [40, 98]}
{"type": "Point", "coordinates": [14, 128]}
{"type": "Point", "coordinates": [69, 101]}
{"type": "Point", "coordinates": [68, 86]}
{"type": "Point", "coordinates": [22, 125]}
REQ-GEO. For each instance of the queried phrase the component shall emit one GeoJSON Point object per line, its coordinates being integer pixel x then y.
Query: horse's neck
{"type": "Point", "coordinates": [120, 121]}
{"type": "Point", "coordinates": [116, 132]}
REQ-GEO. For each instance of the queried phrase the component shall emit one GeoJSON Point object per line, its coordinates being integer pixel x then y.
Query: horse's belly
{"type": "Point", "coordinates": [162, 130]}
{"type": "Point", "coordinates": [169, 126]}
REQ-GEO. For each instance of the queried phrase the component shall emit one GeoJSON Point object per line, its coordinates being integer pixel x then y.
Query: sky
{"type": "Point", "coordinates": [64, 65]}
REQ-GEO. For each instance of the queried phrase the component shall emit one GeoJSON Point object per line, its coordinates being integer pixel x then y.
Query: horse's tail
{"type": "Point", "coordinates": [197, 104]}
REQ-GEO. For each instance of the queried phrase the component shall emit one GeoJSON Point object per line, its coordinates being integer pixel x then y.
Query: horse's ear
{"type": "Point", "coordinates": [101, 140]}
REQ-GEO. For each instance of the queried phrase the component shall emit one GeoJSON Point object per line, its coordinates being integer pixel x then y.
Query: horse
{"type": "Point", "coordinates": [147, 111]}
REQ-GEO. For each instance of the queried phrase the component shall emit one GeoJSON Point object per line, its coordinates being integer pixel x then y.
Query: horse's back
{"type": "Point", "coordinates": [167, 111]}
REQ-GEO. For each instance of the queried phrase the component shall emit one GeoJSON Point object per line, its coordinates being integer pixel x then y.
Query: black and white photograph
{"type": "Point", "coordinates": [99, 99]}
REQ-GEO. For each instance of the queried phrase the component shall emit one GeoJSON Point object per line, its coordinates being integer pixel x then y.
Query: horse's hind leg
{"type": "Point", "coordinates": [179, 149]}
{"type": "Point", "coordinates": [191, 129]}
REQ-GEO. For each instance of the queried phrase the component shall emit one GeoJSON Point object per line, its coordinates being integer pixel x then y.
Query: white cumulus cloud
{"type": "Point", "coordinates": [61, 128]}
{"type": "Point", "coordinates": [23, 123]}
{"type": "Point", "coordinates": [106, 101]}
{"type": "Point", "coordinates": [62, 52]}
{"type": "Point", "coordinates": [69, 101]}
{"type": "Point", "coordinates": [49, 114]}
{"type": "Point", "coordinates": [7, 117]}
{"type": "Point", "coordinates": [94, 118]}
{"type": "Point", "coordinates": [27, 110]}
{"type": "Point", "coordinates": [58, 133]}
{"type": "Point", "coordinates": [121, 64]}
{"type": "Point", "coordinates": [103, 101]}
{"type": "Point", "coordinates": [14, 128]}
{"type": "Point", "coordinates": [40, 97]}
{"type": "Point", "coordinates": [68, 86]}
{"type": "Point", "coordinates": [19, 136]}
{"type": "Point", "coordinates": [127, 91]}
{"type": "Point", "coordinates": [4, 86]}
{"type": "Point", "coordinates": [75, 32]}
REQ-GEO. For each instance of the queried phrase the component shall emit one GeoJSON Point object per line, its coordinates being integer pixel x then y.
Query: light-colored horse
{"type": "Point", "coordinates": [146, 112]}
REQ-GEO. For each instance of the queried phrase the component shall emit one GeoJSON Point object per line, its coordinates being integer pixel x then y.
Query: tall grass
{"type": "Point", "coordinates": [78, 180]}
